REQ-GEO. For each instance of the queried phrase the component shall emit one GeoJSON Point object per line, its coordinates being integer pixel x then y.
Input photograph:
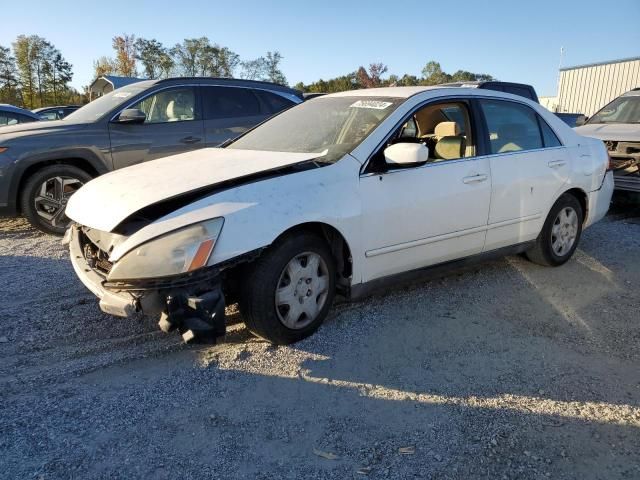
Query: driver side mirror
{"type": "Point", "coordinates": [581, 120]}
{"type": "Point", "coordinates": [131, 115]}
{"type": "Point", "coordinates": [406, 154]}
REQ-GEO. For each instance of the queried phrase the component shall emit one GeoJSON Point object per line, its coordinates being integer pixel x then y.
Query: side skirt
{"type": "Point", "coordinates": [431, 272]}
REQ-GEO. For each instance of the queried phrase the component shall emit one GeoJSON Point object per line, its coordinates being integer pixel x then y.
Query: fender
{"type": "Point", "coordinates": [256, 214]}
{"type": "Point", "coordinates": [78, 156]}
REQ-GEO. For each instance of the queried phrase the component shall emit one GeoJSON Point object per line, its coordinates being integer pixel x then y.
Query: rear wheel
{"type": "Point", "coordinates": [560, 234]}
{"type": "Point", "coordinates": [45, 195]}
{"type": "Point", "coordinates": [289, 290]}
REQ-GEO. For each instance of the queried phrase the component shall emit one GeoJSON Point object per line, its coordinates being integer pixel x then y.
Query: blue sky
{"type": "Point", "coordinates": [512, 40]}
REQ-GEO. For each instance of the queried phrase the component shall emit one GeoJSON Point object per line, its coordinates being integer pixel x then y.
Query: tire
{"type": "Point", "coordinates": [46, 212]}
{"type": "Point", "coordinates": [283, 276]}
{"type": "Point", "coordinates": [556, 232]}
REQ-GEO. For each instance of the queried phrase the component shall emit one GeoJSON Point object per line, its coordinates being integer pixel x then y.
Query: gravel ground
{"type": "Point", "coordinates": [507, 370]}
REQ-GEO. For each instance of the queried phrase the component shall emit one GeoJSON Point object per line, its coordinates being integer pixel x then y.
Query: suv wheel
{"type": "Point", "coordinates": [44, 197]}
{"type": "Point", "coordinates": [560, 234]}
{"type": "Point", "coordinates": [289, 290]}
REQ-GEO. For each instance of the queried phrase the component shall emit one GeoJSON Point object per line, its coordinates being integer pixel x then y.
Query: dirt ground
{"type": "Point", "coordinates": [508, 370]}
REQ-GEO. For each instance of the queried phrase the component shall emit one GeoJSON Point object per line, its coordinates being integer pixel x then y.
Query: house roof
{"type": "Point", "coordinates": [116, 81]}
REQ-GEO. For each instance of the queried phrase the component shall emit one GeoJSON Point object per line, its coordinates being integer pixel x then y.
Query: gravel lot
{"type": "Point", "coordinates": [507, 370]}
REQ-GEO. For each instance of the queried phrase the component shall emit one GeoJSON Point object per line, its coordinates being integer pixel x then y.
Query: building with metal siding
{"type": "Point", "coordinates": [588, 88]}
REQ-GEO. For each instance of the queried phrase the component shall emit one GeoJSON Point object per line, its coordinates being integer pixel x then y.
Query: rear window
{"type": "Point", "coordinates": [275, 102]}
{"type": "Point", "coordinates": [229, 102]}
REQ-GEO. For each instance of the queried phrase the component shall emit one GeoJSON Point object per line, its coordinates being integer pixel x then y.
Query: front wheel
{"type": "Point", "coordinates": [289, 290]}
{"type": "Point", "coordinates": [560, 234]}
{"type": "Point", "coordinates": [44, 197]}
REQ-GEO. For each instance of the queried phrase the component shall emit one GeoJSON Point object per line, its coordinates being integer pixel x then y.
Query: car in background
{"type": "Point", "coordinates": [521, 89]}
{"type": "Point", "coordinates": [347, 193]}
{"type": "Point", "coordinates": [55, 113]}
{"type": "Point", "coordinates": [10, 115]}
{"type": "Point", "coordinates": [618, 125]}
{"type": "Point", "coordinates": [42, 164]}
{"type": "Point", "coordinates": [571, 119]}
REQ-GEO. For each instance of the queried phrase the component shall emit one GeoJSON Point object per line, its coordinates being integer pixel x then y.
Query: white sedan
{"type": "Point", "coordinates": [339, 195]}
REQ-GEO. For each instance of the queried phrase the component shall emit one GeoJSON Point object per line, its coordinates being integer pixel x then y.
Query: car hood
{"type": "Point", "coordinates": [623, 132]}
{"type": "Point", "coordinates": [38, 127]}
{"type": "Point", "coordinates": [106, 201]}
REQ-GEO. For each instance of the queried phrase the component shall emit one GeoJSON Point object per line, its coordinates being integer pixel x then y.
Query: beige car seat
{"type": "Point", "coordinates": [450, 143]}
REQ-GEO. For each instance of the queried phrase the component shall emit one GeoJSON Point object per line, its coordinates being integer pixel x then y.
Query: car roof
{"type": "Point", "coordinates": [399, 92]}
{"type": "Point", "coordinates": [406, 92]}
{"type": "Point", "coordinates": [11, 108]}
{"type": "Point", "coordinates": [54, 107]}
{"type": "Point", "coordinates": [632, 93]}
{"type": "Point", "coordinates": [232, 82]}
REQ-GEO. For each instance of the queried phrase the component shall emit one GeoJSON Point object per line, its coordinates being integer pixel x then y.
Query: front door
{"type": "Point", "coordinates": [172, 125]}
{"type": "Point", "coordinates": [432, 213]}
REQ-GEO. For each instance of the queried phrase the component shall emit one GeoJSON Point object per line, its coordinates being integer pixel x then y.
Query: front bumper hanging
{"type": "Point", "coordinates": [192, 304]}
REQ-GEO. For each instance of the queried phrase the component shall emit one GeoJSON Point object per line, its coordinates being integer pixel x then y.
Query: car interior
{"type": "Point", "coordinates": [169, 106]}
{"type": "Point", "coordinates": [444, 128]}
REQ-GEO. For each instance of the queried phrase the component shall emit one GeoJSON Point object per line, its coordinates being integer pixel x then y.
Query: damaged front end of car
{"type": "Point", "coordinates": [625, 163]}
{"type": "Point", "coordinates": [166, 276]}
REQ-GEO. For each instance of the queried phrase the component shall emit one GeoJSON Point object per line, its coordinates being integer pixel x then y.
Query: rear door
{"type": "Point", "coordinates": [173, 125]}
{"type": "Point", "coordinates": [529, 166]}
{"type": "Point", "coordinates": [229, 112]}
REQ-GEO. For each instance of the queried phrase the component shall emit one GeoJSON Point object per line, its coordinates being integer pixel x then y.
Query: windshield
{"type": "Point", "coordinates": [621, 110]}
{"type": "Point", "coordinates": [98, 107]}
{"type": "Point", "coordinates": [332, 124]}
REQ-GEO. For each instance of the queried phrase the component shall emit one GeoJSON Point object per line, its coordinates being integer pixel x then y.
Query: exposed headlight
{"type": "Point", "coordinates": [177, 252]}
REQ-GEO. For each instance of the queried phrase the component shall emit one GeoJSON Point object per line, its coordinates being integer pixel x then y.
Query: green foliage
{"type": "Point", "coordinates": [125, 61]}
{"type": "Point", "coordinates": [432, 74]}
{"type": "Point", "coordinates": [37, 74]}
{"type": "Point", "coordinates": [264, 68]}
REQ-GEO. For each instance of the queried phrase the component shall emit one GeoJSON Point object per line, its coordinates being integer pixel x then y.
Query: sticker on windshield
{"type": "Point", "coordinates": [122, 94]}
{"type": "Point", "coordinates": [375, 104]}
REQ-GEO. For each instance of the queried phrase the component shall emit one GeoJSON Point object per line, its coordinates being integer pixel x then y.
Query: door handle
{"type": "Point", "coordinates": [475, 179]}
{"type": "Point", "coordinates": [190, 139]}
{"type": "Point", "coordinates": [556, 163]}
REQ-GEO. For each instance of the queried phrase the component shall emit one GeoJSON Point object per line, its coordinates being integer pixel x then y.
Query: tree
{"type": "Point", "coordinates": [187, 55]}
{"type": "Point", "coordinates": [376, 70]}
{"type": "Point", "coordinates": [464, 76]}
{"type": "Point", "coordinates": [24, 52]}
{"type": "Point", "coordinates": [253, 69]}
{"type": "Point", "coordinates": [432, 74]}
{"type": "Point", "coordinates": [151, 54]}
{"type": "Point", "coordinates": [125, 61]}
{"type": "Point", "coordinates": [58, 73]}
{"type": "Point", "coordinates": [103, 66]}
{"type": "Point", "coordinates": [272, 68]}
{"type": "Point", "coordinates": [9, 92]}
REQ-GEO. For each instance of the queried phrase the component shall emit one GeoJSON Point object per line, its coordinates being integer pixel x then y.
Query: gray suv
{"type": "Point", "coordinates": [43, 163]}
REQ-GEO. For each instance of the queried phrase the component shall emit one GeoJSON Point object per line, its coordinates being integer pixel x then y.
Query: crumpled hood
{"type": "Point", "coordinates": [621, 132]}
{"type": "Point", "coordinates": [109, 199]}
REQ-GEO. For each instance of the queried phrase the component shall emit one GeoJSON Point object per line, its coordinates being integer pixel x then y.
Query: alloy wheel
{"type": "Point", "coordinates": [564, 231]}
{"type": "Point", "coordinates": [52, 197]}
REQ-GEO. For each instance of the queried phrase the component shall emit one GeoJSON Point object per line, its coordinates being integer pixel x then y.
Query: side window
{"type": "Point", "coordinates": [24, 118]}
{"type": "Point", "coordinates": [550, 138]}
{"type": "Point", "coordinates": [171, 105]}
{"type": "Point", "coordinates": [512, 127]}
{"type": "Point", "coordinates": [275, 102]}
{"type": "Point", "coordinates": [8, 118]}
{"type": "Point", "coordinates": [446, 130]}
{"type": "Point", "coordinates": [229, 102]}
{"type": "Point", "coordinates": [48, 116]}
